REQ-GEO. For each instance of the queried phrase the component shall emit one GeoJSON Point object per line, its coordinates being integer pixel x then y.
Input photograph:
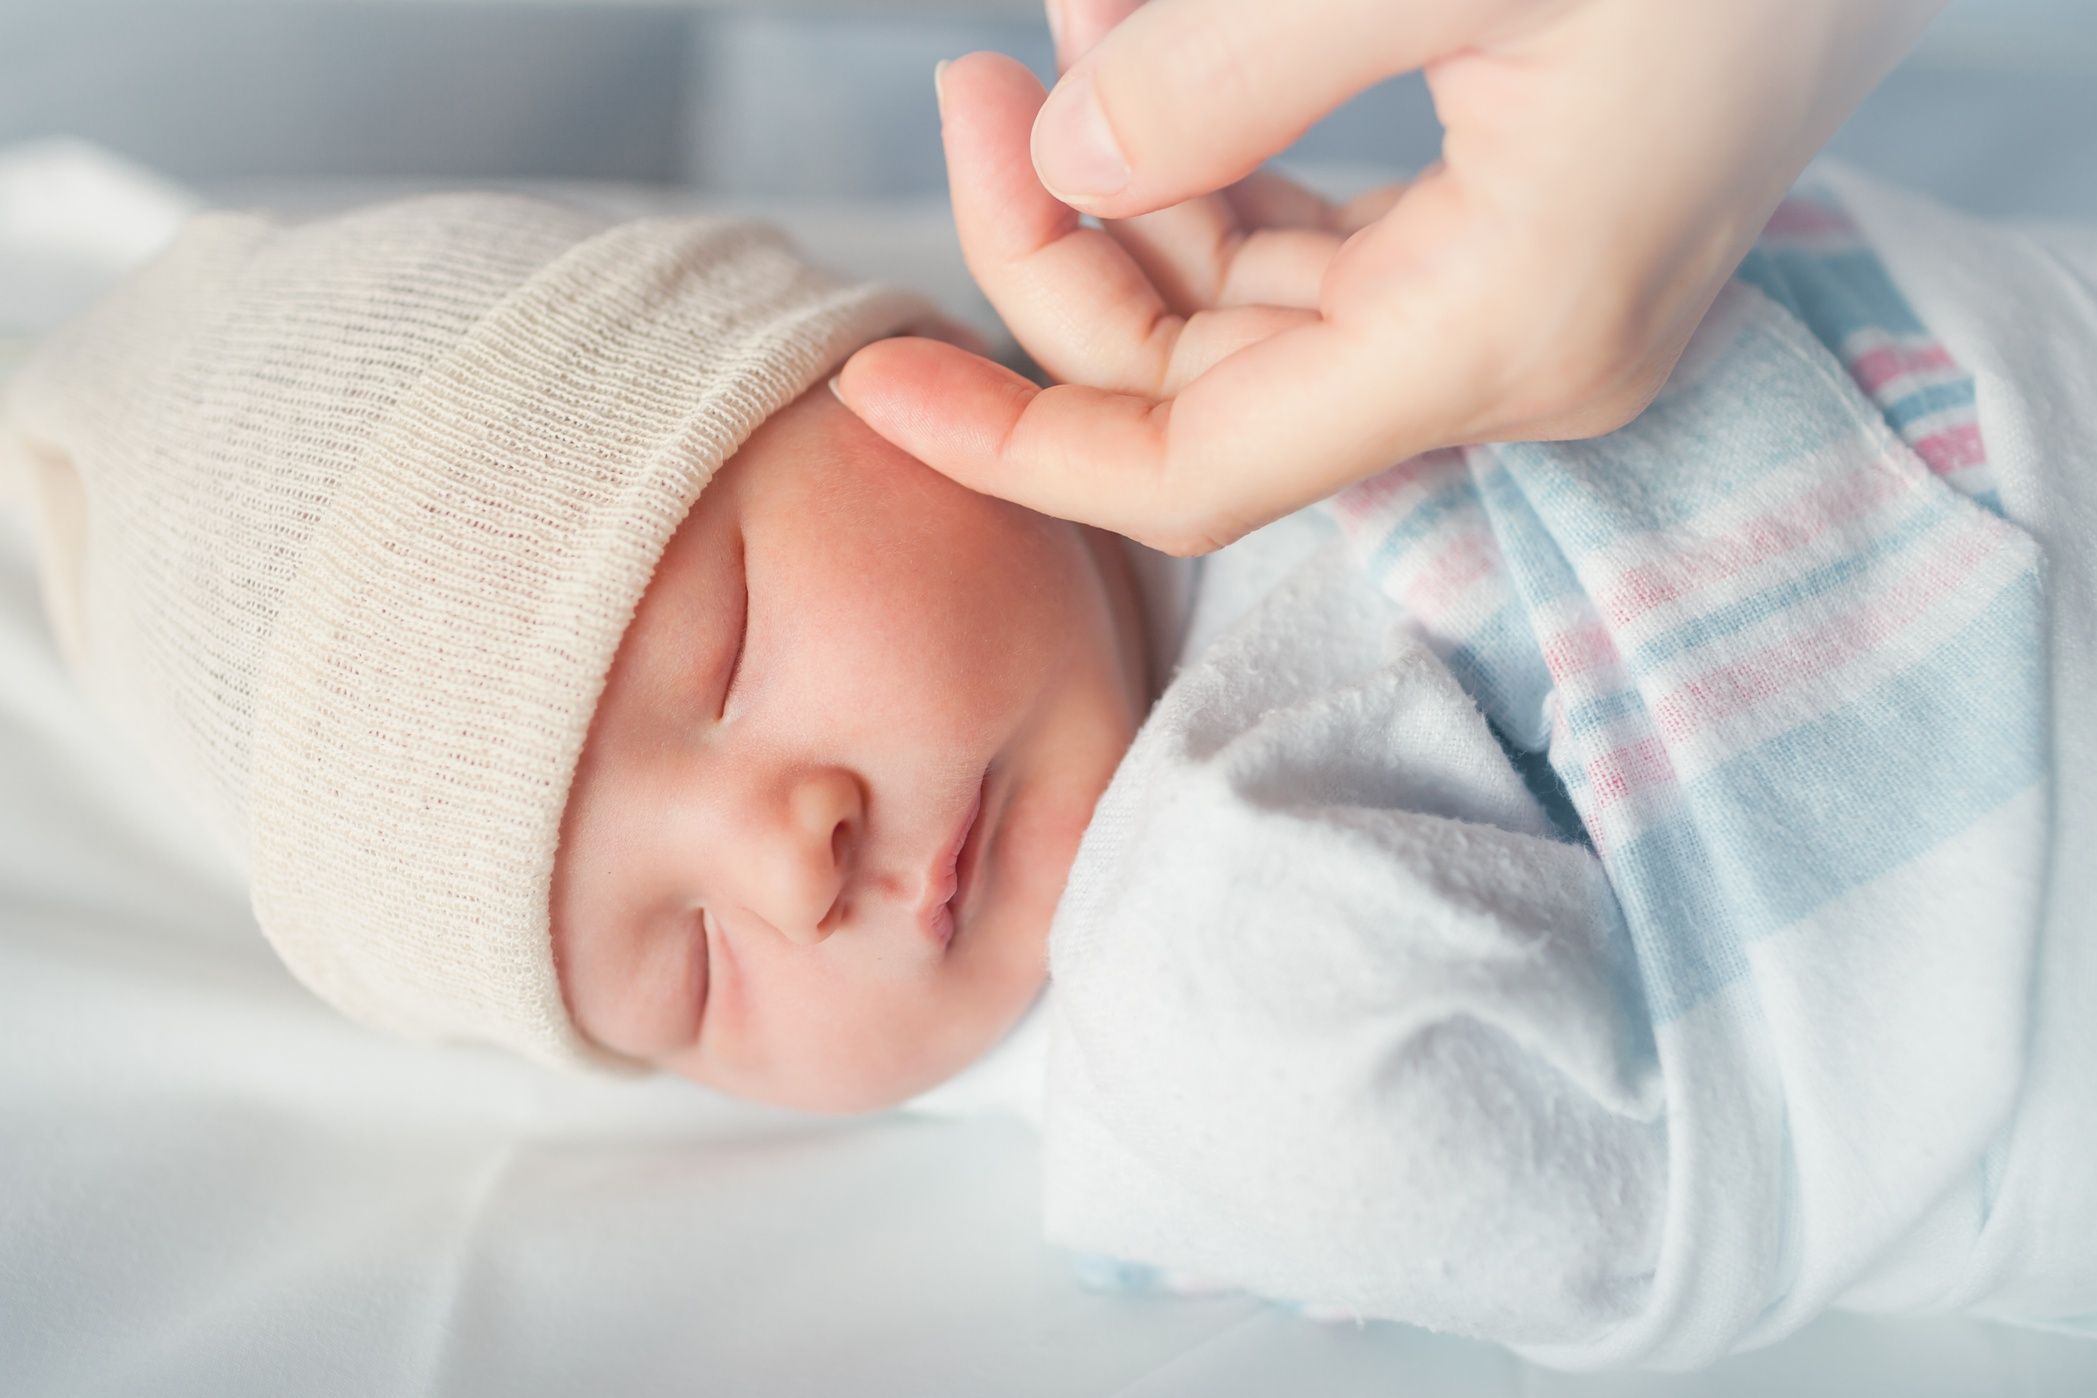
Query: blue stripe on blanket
{"type": "Point", "coordinates": [1835, 292]}
{"type": "Point", "coordinates": [1784, 597]}
{"type": "Point", "coordinates": [1769, 662]}
{"type": "Point", "coordinates": [1754, 867]}
{"type": "Point", "coordinates": [1687, 454]}
{"type": "Point", "coordinates": [1422, 520]}
{"type": "Point", "coordinates": [1837, 287]}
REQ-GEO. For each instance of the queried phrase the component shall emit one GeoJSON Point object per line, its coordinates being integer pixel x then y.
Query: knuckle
{"type": "Point", "coordinates": [1176, 543]}
{"type": "Point", "coordinates": [1592, 365]}
{"type": "Point", "coordinates": [1185, 516]}
{"type": "Point", "coordinates": [1619, 405]}
{"type": "Point", "coordinates": [1191, 538]}
{"type": "Point", "coordinates": [1614, 342]}
{"type": "Point", "coordinates": [1602, 378]}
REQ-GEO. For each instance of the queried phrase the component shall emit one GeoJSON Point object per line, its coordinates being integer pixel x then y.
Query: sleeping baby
{"type": "Point", "coordinates": [1585, 895]}
{"type": "Point", "coordinates": [570, 669]}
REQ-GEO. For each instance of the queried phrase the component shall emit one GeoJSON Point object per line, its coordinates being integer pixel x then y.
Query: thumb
{"type": "Point", "coordinates": [1184, 97]}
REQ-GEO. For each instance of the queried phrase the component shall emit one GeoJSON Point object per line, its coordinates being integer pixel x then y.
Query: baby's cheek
{"type": "Point", "coordinates": [975, 642]}
{"type": "Point", "coordinates": [1044, 829]}
{"type": "Point", "coordinates": [893, 1042]}
{"type": "Point", "coordinates": [1033, 597]}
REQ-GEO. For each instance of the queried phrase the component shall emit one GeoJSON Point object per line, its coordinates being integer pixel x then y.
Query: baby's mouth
{"type": "Point", "coordinates": [951, 876]}
{"type": "Point", "coordinates": [971, 855]}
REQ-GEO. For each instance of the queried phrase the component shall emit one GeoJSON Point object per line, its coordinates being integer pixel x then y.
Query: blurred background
{"type": "Point", "coordinates": [1997, 111]}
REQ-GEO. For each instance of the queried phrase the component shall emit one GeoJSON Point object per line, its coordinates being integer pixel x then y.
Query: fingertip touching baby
{"type": "Point", "coordinates": [568, 667]}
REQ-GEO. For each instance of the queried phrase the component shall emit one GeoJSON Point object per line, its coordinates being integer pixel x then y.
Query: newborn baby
{"type": "Point", "coordinates": [1542, 905]}
{"type": "Point", "coordinates": [570, 668]}
{"type": "Point", "coordinates": [838, 772]}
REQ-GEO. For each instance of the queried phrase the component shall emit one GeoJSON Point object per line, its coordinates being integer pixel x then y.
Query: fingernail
{"type": "Point", "coordinates": [1075, 152]}
{"type": "Point", "coordinates": [833, 389]}
{"type": "Point", "coordinates": [939, 86]}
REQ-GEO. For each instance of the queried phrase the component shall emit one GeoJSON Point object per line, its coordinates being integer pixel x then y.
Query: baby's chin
{"type": "Point", "coordinates": [862, 1093]}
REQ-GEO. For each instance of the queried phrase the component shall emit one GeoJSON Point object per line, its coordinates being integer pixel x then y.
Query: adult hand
{"type": "Point", "coordinates": [1228, 357]}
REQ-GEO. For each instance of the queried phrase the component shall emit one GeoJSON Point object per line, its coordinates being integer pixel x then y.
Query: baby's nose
{"type": "Point", "coordinates": [797, 881]}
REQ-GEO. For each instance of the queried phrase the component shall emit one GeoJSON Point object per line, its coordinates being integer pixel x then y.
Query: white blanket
{"type": "Point", "coordinates": [1399, 1061]}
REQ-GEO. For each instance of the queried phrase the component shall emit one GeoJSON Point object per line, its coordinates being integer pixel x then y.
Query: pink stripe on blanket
{"type": "Point", "coordinates": [1728, 690]}
{"type": "Point", "coordinates": [1796, 524]}
{"type": "Point", "coordinates": [1954, 448]}
{"type": "Point", "coordinates": [1634, 770]}
{"type": "Point", "coordinates": [1877, 368]}
{"type": "Point", "coordinates": [1579, 650]}
{"type": "Point", "coordinates": [1365, 498]}
{"type": "Point", "coordinates": [1467, 556]}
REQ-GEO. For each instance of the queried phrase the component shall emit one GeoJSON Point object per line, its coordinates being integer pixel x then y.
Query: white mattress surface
{"type": "Point", "coordinates": [211, 1185]}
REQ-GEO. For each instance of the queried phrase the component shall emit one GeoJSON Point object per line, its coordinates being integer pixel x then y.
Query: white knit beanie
{"type": "Point", "coordinates": [359, 511]}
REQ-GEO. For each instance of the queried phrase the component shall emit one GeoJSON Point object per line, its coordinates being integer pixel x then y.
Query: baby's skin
{"type": "Point", "coordinates": [839, 771]}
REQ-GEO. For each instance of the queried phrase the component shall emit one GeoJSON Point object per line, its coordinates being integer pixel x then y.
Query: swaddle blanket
{"type": "Point", "coordinates": [1595, 906]}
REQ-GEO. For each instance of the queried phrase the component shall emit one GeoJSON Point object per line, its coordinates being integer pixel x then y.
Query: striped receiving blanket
{"type": "Point", "coordinates": [1722, 1020]}
{"type": "Point", "coordinates": [1775, 639]}
{"type": "Point", "coordinates": [1789, 664]}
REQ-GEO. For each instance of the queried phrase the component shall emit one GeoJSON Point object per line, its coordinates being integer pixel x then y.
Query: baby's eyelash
{"type": "Point", "coordinates": [705, 953]}
{"type": "Point", "coordinates": [735, 667]}
{"type": "Point", "coordinates": [742, 639]}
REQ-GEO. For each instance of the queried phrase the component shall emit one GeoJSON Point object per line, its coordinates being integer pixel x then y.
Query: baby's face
{"type": "Point", "coordinates": [838, 773]}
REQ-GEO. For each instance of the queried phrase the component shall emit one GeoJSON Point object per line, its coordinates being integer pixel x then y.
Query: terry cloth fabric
{"type": "Point", "coordinates": [344, 522]}
{"type": "Point", "coordinates": [2016, 307]}
{"type": "Point", "coordinates": [1760, 1036]}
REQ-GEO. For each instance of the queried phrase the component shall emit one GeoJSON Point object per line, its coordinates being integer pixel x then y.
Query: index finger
{"type": "Point", "coordinates": [1426, 338]}
{"type": "Point", "coordinates": [1268, 430]}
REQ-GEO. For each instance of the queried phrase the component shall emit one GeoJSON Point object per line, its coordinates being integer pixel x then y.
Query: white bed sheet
{"type": "Point", "coordinates": [209, 1184]}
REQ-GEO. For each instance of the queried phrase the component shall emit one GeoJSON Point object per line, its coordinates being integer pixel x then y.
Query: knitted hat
{"type": "Point", "coordinates": [344, 522]}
